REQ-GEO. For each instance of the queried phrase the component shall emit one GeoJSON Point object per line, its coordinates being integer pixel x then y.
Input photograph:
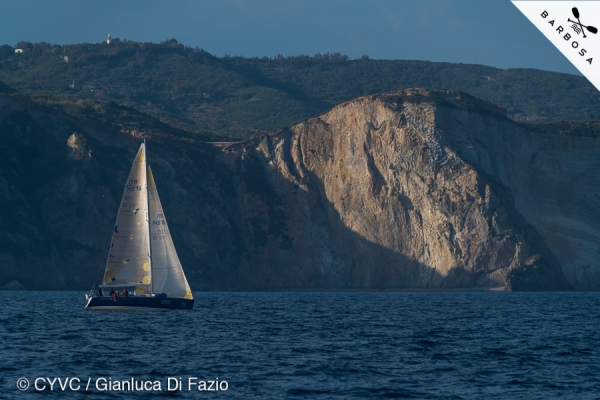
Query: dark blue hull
{"type": "Point", "coordinates": [138, 303]}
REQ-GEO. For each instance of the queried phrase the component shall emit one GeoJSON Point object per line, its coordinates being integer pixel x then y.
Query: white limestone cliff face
{"type": "Point", "coordinates": [553, 177]}
{"type": "Point", "coordinates": [370, 195]}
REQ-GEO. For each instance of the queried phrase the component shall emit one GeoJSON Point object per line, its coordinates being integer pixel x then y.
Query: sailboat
{"type": "Point", "coordinates": [142, 269]}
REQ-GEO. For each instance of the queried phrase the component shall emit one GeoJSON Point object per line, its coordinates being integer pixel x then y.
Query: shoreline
{"type": "Point", "coordinates": [305, 290]}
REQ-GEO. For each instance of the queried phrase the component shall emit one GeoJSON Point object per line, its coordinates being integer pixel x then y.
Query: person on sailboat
{"type": "Point", "coordinates": [99, 292]}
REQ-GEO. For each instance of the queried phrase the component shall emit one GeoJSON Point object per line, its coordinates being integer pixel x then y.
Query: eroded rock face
{"type": "Point", "coordinates": [552, 176]}
{"type": "Point", "coordinates": [370, 195]}
{"type": "Point", "coordinates": [411, 189]}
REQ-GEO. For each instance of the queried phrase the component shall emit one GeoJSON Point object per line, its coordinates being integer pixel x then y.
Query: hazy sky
{"type": "Point", "coordinates": [490, 32]}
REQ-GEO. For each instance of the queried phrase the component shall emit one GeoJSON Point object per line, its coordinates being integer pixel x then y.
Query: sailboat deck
{"type": "Point", "coordinates": [139, 303]}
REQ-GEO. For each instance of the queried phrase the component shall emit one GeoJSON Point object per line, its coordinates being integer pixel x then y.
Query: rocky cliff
{"type": "Point", "coordinates": [410, 189]}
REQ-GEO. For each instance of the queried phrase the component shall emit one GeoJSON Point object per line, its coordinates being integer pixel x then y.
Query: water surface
{"type": "Point", "coordinates": [421, 345]}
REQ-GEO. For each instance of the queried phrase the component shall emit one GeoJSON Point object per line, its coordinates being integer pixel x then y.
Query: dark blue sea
{"type": "Point", "coordinates": [335, 345]}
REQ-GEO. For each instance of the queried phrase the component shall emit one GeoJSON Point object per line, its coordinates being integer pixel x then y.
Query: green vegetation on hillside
{"type": "Point", "coordinates": [236, 97]}
{"type": "Point", "coordinates": [589, 129]}
{"type": "Point", "coordinates": [120, 116]}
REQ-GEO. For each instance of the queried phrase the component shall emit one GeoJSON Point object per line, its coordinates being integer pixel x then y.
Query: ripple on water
{"type": "Point", "coordinates": [318, 345]}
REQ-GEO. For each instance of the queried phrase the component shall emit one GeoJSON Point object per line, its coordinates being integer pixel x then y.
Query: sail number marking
{"type": "Point", "coordinates": [128, 202]}
{"type": "Point", "coordinates": [160, 220]}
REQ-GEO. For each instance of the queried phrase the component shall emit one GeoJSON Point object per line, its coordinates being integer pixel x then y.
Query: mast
{"type": "Point", "coordinates": [148, 218]}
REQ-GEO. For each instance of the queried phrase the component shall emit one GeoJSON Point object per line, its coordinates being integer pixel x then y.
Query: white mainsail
{"type": "Point", "coordinates": [128, 262]}
{"type": "Point", "coordinates": [167, 273]}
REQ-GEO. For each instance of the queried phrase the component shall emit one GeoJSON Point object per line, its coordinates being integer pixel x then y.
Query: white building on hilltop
{"type": "Point", "coordinates": [108, 39]}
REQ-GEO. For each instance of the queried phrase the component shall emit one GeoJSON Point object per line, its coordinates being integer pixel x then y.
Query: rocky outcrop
{"type": "Point", "coordinates": [551, 172]}
{"type": "Point", "coordinates": [410, 189]}
{"type": "Point", "coordinates": [372, 195]}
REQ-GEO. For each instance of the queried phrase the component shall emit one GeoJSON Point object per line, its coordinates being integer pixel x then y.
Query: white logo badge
{"type": "Point", "coordinates": [571, 26]}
